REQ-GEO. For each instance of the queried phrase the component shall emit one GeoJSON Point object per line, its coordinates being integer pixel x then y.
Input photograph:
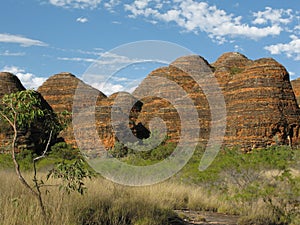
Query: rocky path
{"type": "Point", "coordinates": [207, 218]}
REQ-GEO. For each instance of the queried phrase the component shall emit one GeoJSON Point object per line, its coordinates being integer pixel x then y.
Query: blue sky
{"type": "Point", "coordinates": [39, 38]}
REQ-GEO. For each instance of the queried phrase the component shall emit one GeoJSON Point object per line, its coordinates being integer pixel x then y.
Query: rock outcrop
{"type": "Point", "coordinates": [171, 88]}
{"type": "Point", "coordinates": [59, 91]}
{"type": "Point", "coordinates": [260, 102]}
{"type": "Point", "coordinates": [261, 105]}
{"type": "Point", "coordinates": [9, 83]}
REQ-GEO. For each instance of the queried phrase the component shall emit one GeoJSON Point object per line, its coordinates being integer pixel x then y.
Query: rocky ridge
{"type": "Point", "coordinates": [260, 103]}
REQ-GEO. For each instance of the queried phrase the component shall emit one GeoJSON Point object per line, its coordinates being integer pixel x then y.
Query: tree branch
{"type": "Point", "coordinates": [35, 180]}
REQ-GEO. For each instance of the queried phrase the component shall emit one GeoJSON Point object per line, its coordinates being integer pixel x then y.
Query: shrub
{"type": "Point", "coordinates": [63, 150]}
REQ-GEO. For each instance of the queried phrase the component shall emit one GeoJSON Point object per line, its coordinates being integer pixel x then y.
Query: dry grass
{"type": "Point", "coordinates": [103, 200]}
{"type": "Point", "coordinates": [108, 203]}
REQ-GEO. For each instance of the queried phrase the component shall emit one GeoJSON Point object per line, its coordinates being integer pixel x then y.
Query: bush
{"type": "Point", "coordinates": [63, 150]}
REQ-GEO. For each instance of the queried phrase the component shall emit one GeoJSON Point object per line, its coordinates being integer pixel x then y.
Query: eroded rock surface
{"type": "Point", "coordinates": [59, 91]}
{"type": "Point", "coordinates": [261, 105]}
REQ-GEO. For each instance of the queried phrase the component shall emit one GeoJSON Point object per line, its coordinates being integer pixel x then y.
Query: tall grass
{"type": "Point", "coordinates": [104, 203]}
{"type": "Point", "coordinates": [262, 187]}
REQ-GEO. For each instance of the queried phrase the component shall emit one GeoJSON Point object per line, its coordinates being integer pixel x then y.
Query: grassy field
{"type": "Point", "coordinates": [262, 187]}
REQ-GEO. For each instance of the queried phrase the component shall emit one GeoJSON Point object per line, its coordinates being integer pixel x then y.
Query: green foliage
{"type": "Point", "coordinates": [6, 161]}
{"type": "Point", "coordinates": [62, 150]}
{"type": "Point", "coordinates": [25, 159]}
{"type": "Point", "coordinates": [150, 151]}
{"type": "Point", "coordinates": [119, 150]}
{"type": "Point", "coordinates": [72, 175]}
{"type": "Point", "coordinates": [235, 163]}
{"type": "Point", "coordinates": [25, 107]}
{"type": "Point", "coordinates": [235, 70]}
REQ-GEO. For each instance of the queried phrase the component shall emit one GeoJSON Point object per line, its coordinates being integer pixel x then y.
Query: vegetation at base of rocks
{"type": "Point", "coordinates": [262, 187]}
{"type": "Point", "coordinates": [157, 152]}
{"type": "Point", "coordinates": [141, 158]}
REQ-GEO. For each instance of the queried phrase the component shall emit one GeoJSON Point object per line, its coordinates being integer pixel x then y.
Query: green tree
{"type": "Point", "coordinates": [21, 110]}
{"type": "Point", "coordinates": [24, 109]}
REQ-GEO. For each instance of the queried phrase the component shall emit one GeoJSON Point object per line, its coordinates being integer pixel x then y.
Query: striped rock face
{"type": "Point", "coordinates": [165, 101]}
{"type": "Point", "coordinates": [261, 105]}
{"type": "Point", "coordinates": [59, 91]}
{"type": "Point", "coordinates": [9, 84]}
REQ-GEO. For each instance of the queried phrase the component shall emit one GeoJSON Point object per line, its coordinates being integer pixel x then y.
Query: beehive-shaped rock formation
{"type": "Point", "coordinates": [261, 105]}
{"type": "Point", "coordinates": [59, 91]}
{"type": "Point", "coordinates": [9, 83]}
{"type": "Point", "coordinates": [167, 100]}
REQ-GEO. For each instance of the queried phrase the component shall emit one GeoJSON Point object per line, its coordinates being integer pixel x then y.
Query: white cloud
{"type": "Point", "coordinates": [274, 16]}
{"type": "Point", "coordinates": [291, 49]}
{"type": "Point", "coordinates": [29, 80]}
{"type": "Point", "coordinates": [108, 88]}
{"type": "Point", "coordinates": [111, 4]}
{"type": "Point", "coordinates": [18, 39]}
{"type": "Point", "coordinates": [77, 59]}
{"type": "Point", "coordinates": [8, 53]}
{"type": "Point", "coordinates": [82, 20]}
{"type": "Point", "coordinates": [78, 4]}
{"type": "Point", "coordinates": [116, 22]}
{"type": "Point", "coordinates": [292, 75]}
{"type": "Point", "coordinates": [115, 84]}
{"type": "Point", "coordinates": [238, 48]}
{"type": "Point", "coordinates": [105, 58]}
{"type": "Point", "coordinates": [194, 16]}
